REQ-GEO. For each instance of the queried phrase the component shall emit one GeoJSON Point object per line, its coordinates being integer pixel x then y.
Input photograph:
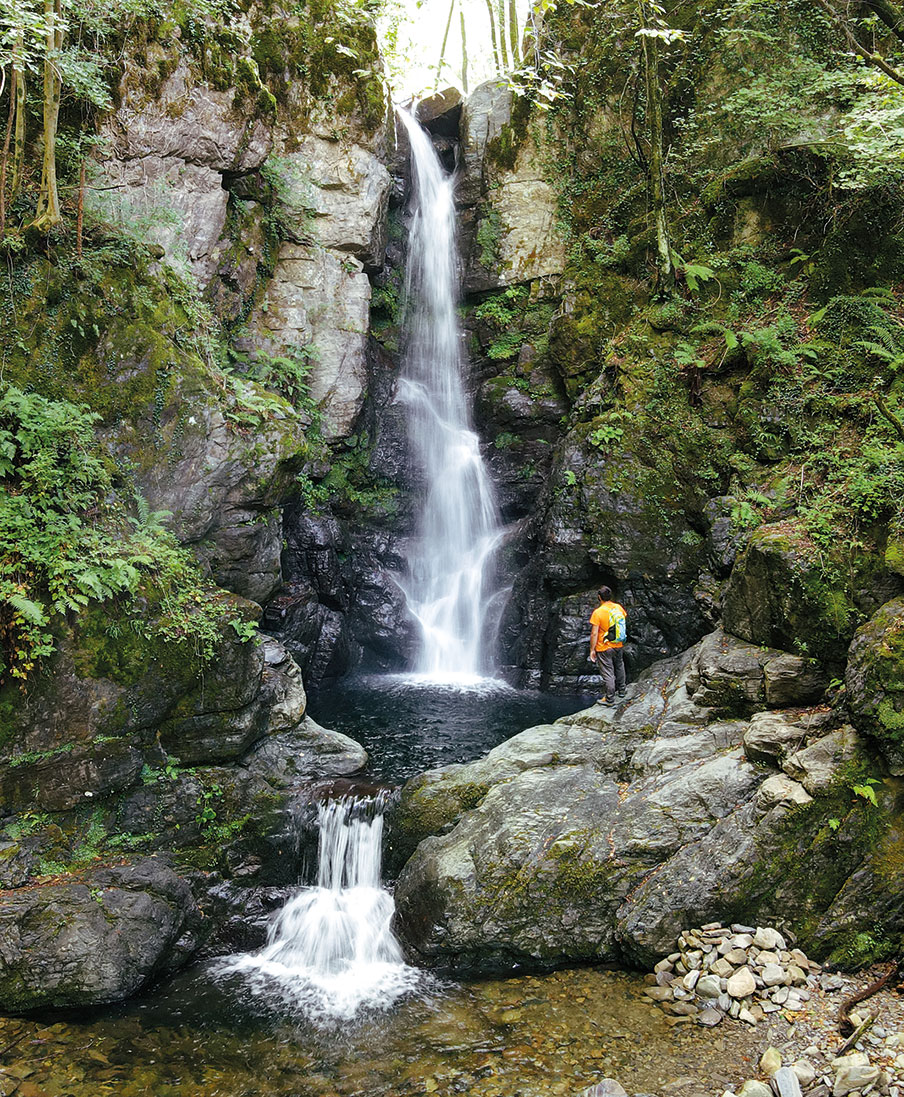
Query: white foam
{"type": "Point", "coordinates": [331, 952]}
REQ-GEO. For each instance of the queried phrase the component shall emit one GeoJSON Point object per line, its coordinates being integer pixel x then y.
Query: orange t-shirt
{"type": "Point", "coordinates": [602, 617]}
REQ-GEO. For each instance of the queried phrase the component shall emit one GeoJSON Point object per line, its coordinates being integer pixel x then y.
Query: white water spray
{"type": "Point", "coordinates": [331, 950]}
{"type": "Point", "coordinates": [449, 589]}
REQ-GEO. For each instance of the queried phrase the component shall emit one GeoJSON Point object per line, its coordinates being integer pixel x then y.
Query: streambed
{"type": "Point", "coordinates": [532, 1036]}
{"type": "Point", "coordinates": [214, 1032]}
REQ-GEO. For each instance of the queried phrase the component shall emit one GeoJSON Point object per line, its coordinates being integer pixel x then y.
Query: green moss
{"type": "Point", "coordinates": [488, 233]}
{"type": "Point", "coordinates": [804, 858]}
{"type": "Point", "coordinates": [502, 151]}
{"type": "Point", "coordinates": [894, 554]}
{"type": "Point", "coordinates": [104, 649]}
{"type": "Point", "coordinates": [430, 808]}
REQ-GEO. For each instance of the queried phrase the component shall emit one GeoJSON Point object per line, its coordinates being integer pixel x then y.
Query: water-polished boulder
{"type": "Point", "coordinates": [96, 940]}
{"type": "Point", "coordinates": [600, 836]}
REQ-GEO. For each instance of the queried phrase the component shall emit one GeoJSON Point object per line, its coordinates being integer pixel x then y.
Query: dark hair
{"type": "Point", "coordinates": [605, 594]}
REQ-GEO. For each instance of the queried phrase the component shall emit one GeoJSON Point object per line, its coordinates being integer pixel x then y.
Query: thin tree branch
{"type": "Point", "coordinates": [868, 55]}
{"type": "Point", "coordinates": [888, 414]}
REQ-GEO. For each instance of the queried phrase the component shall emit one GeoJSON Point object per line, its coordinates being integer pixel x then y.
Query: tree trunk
{"type": "Point", "coordinates": [442, 49]}
{"type": "Point", "coordinates": [4, 158]}
{"type": "Point", "coordinates": [48, 212]}
{"type": "Point", "coordinates": [464, 54]}
{"type": "Point", "coordinates": [493, 38]}
{"type": "Point", "coordinates": [514, 36]}
{"type": "Point", "coordinates": [664, 268]}
{"type": "Point", "coordinates": [80, 220]}
{"type": "Point", "coordinates": [19, 135]}
{"type": "Point", "coordinates": [890, 14]}
{"type": "Point", "coordinates": [503, 45]}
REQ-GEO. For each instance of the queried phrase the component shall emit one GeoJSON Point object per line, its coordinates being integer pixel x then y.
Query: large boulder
{"type": "Point", "coordinates": [94, 941]}
{"type": "Point", "coordinates": [875, 681]}
{"type": "Point", "coordinates": [605, 833]}
{"type": "Point", "coordinates": [107, 703]}
{"type": "Point", "coordinates": [536, 872]}
{"type": "Point", "coordinates": [732, 676]}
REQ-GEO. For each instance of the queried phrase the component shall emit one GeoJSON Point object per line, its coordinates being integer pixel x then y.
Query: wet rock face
{"type": "Point", "coordinates": [605, 524]}
{"type": "Point", "coordinates": [440, 113]}
{"type": "Point", "coordinates": [600, 836]}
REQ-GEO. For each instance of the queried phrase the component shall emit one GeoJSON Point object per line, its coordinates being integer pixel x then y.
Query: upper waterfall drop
{"type": "Point", "coordinates": [450, 587]}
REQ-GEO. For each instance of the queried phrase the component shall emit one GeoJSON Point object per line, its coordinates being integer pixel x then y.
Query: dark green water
{"type": "Point", "coordinates": [409, 726]}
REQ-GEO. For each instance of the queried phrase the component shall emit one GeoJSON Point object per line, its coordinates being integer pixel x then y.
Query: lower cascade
{"type": "Point", "coordinates": [331, 950]}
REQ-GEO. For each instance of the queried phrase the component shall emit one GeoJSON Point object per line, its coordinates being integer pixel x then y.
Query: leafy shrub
{"type": "Point", "coordinates": [67, 539]}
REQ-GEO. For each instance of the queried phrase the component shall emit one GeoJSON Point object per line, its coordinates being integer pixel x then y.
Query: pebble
{"type": "Point", "coordinates": [805, 1071]}
{"type": "Point", "coordinates": [753, 1088]}
{"type": "Point", "coordinates": [659, 994]}
{"type": "Point", "coordinates": [773, 975]}
{"type": "Point", "coordinates": [709, 986]}
{"type": "Point", "coordinates": [786, 1083]}
{"type": "Point", "coordinates": [606, 1087]}
{"type": "Point", "coordinates": [854, 1077]}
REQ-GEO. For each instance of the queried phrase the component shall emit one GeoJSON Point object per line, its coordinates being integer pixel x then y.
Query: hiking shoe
{"type": "Point", "coordinates": [623, 693]}
{"type": "Point", "coordinates": [606, 701]}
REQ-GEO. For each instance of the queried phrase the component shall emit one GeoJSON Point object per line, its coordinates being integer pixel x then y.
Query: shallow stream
{"type": "Point", "coordinates": [532, 1036]}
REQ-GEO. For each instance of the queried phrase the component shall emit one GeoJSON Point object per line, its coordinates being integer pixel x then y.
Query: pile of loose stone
{"type": "Point", "coordinates": [744, 972]}
{"type": "Point", "coordinates": [845, 1075]}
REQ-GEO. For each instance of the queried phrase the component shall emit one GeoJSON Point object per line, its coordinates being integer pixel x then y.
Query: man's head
{"type": "Point", "coordinates": [605, 594]}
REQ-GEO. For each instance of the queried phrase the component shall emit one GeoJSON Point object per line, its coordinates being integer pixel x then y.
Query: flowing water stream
{"type": "Point", "coordinates": [331, 951]}
{"type": "Point", "coordinates": [451, 586]}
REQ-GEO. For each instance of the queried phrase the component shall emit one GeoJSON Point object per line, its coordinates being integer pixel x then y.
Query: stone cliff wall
{"type": "Point", "coordinates": [215, 323]}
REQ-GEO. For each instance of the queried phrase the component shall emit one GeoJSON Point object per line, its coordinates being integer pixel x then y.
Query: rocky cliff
{"type": "Point", "coordinates": [167, 381]}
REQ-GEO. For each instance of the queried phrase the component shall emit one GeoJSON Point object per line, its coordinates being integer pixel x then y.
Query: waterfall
{"type": "Point", "coordinates": [331, 950]}
{"type": "Point", "coordinates": [449, 589]}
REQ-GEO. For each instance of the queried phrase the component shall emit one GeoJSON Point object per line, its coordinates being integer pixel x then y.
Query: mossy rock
{"type": "Point", "coordinates": [578, 333]}
{"type": "Point", "coordinates": [875, 681]}
{"type": "Point", "coordinates": [777, 596]}
{"type": "Point", "coordinates": [430, 804]}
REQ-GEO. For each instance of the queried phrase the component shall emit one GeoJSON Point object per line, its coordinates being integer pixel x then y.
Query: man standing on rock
{"type": "Point", "coordinates": [607, 636]}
